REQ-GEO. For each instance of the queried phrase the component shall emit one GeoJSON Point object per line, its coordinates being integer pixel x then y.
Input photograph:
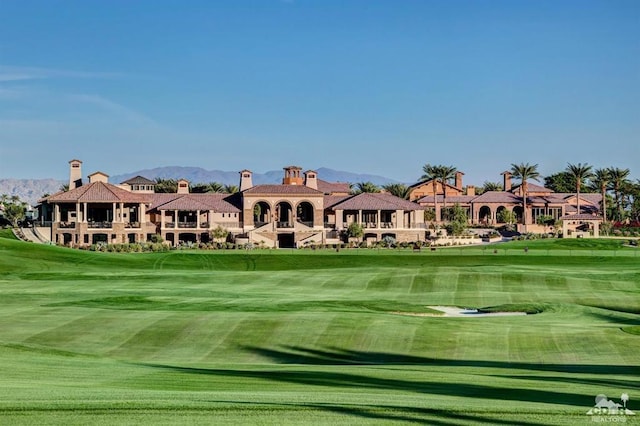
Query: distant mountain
{"type": "Point", "coordinates": [30, 190]}
{"type": "Point", "coordinates": [200, 175]}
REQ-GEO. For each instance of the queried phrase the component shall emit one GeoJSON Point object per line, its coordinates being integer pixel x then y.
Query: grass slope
{"type": "Point", "coordinates": [314, 337]}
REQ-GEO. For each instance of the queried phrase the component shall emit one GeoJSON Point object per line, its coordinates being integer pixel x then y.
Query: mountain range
{"type": "Point", "coordinates": [30, 190]}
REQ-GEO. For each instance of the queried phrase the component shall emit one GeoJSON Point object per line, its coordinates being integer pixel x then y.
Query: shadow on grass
{"type": "Point", "coordinates": [335, 356]}
{"type": "Point", "coordinates": [396, 413]}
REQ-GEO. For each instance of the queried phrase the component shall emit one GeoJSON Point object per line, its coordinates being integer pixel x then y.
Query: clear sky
{"type": "Point", "coordinates": [368, 86]}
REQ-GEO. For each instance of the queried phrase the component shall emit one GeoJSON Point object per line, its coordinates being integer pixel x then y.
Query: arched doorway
{"type": "Point", "coordinates": [304, 213]}
{"type": "Point", "coordinates": [284, 214]}
{"type": "Point", "coordinates": [517, 210]}
{"type": "Point", "coordinates": [485, 214]}
{"type": "Point", "coordinates": [499, 213]}
{"type": "Point", "coordinates": [261, 213]}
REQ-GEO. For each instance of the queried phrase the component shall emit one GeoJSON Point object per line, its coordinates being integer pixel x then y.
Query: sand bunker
{"type": "Point", "coordinates": [454, 311]}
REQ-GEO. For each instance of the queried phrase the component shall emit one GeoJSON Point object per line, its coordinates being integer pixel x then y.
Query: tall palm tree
{"type": "Point", "coordinates": [397, 189]}
{"type": "Point", "coordinates": [230, 189]}
{"type": "Point", "coordinates": [524, 172]}
{"type": "Point", "coordinates": [618, 178]}
{"type": "Point", "coordinates": [445, 174]}
{"type": "Point", "coordinates": [600, 182]}
{"type": "Point", "coordinates": [431, 174]}
{"type": "Point", "coordinates": [491, 186]}
{"type": "Point", "coordinates": [579, 172]}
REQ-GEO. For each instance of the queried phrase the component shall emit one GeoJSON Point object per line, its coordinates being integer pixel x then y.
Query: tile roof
{"type": "Point", "coordinates": [98, 192]}
{"type": "Point", "coordinates": [582, 216]}
{"type": "Point", "coordinates": [333, 187]}
{"type": "Point", "coordinates": [532, 187]}
{"type": "Point", "coordinates": [139, 180]}
{"type": "Point", "coordinates": [282, 189]}
{"type": "Point", "coordinates": [452, 199]}
{"type": "Point", "coordinates": [497, 197]}
{"type": "Point", "coordinates": [332, 200]}
{"type": "Point", "coordinates": [376, 201]}
{"type": "Point", "coordinates": [192, 202]}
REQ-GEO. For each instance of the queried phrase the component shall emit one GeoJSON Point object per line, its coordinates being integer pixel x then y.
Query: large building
{"type": "Point", "coordinates": [302, 209]}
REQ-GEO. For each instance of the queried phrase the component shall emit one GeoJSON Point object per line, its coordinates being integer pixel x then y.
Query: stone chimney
{"type": "Point", "coordinates": [246, 180]}
{"type": "Point", "coordinates": [311, 179]}
{"type": "Point", "coordinates": [183, 186]}
{"type": "Point", "coordinates": [98, 177]}
{"type": "Point", "coordinates": [292, 176]}
{"type": "Point", "coordinates": [507, 180]}
{"type": "Point", "coordinates": [471, 190]}
{"type": "Point", "coordinates": [458, 182]}
{"type": "Point", "coordinates": [75, 174]}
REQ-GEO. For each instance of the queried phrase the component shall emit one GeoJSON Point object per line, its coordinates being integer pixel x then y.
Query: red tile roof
{"type": "Point", "coordinates": [331, 200]}
{"type": "Point", "coordinates": [333, 187]}
{"type": "Point", "coordinates": [282, 189]}
{"type": "Point", "coordinates": [192, 202]}
{"type": "Point", "coordinates": [139, 180]}
{"type": "Point", "coordinates": [376, 201]}
{"type": "Point", "coordinates": [452, 199]}
{"type": "Point", "coordinates": [98, 192]}
{"type": "Point", "coordinates": [582, 216]}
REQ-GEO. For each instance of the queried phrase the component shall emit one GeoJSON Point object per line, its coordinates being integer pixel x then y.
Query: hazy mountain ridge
{"type": "Point", "coordinates": [30, 190]}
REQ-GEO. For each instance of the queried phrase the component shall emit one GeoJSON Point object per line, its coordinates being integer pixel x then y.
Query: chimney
{"type": "Point", "coordinates": [292, 176]}
{"type": "Point", "coordinates": [98, 177]}
{"type": "Point", "coordinates": [183, 186]}
{"type": "Point", "coordinates": [507, 181]}
{"type": "Point", "coordinates": [471, 190]}
{"type": "Point", "coordinates": [458, 182]}
{"type": "Point", "coordinates": [246, 181]}
{"type": "Point", "coordinates": [311, 179]}
{"type": "Point", "coordinates": [75, 174]}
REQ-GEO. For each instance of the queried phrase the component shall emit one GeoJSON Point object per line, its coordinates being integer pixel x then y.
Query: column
{"type": "Point", "coordinates": [56, 213]}
{"type": "Point", "coordinates": [113, 213]}
{"type": "Point", "coordinates": [175, 221]}
{"type": "Point", "coordinates": [339, 219]}
{"type": "Point", "coordinates": [85, 216]}
{"type": "Point", "coordinates": [378, 220]}
{"type": "Point", "coordinates": [198, 219]}
{"type": "Point", "coordinates": [121, 213]}
{"type": "Point", "coordinates": [162, 218]}
{"type": "Point", "coordinates": [78, 218]}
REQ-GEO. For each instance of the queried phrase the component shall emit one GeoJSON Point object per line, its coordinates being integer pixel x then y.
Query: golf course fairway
{"type": "Point", "coordinates": [318, 337]}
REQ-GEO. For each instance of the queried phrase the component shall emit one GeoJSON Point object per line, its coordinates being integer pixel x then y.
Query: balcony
{"type": "Point", "coordinates": [100, 225]}
{"type": "Point", "coordinates": [132, 225]}
{"type": "Point", "coordinates": [67, 225]}
{"type": "Point", "coordinates": [169, 225]}
{"type": "Point", "coordinates": [284, 225]}
{"type": "Point", "coordinates": [187, 225]}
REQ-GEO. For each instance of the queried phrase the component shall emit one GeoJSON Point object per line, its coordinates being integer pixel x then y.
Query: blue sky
{"type": "Point", "coordinates": [367, 86]}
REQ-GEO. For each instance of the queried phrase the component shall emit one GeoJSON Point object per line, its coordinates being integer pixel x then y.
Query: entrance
{"type": "Point", "coordinates": [286, 241]}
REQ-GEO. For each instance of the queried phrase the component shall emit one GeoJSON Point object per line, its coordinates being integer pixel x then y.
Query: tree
{"type": "Point", "coordinates": [166, 185]}
{"type": "Point", "coordinates": [560, 182]}
{"type": "Point", "coordinates": [219, 234]}
{"type": "Point", "coordinates": [600, 182]}
{"type": "Point", "coordinates": [369, 187]}
{"type": "Point", "coordinates": [230, 189]}
{"type": "Point", "coordinates": [618, 178]}
{"type": "Point", "coordinates": [207, 188]}
{"type": "Point", "coordinates": [64, 187]}
{"type": "Point", "coordinates": [355, 230]}
{"type": "Point", "coordinates": [431, 174]}
{"type": "Point", "coordinates": [490, 186]}
{"type": "Point", "coordinates": [14, 209]}
{"type": "Point", "coordinates": [459, 220]}
{"type": "Point", "coordinates": [524, 172]}
{"type": "Point", "coordinates": [445, 174]}
{"type": "Point", "coordinates": [579, 173]}
{"type": "Point", "coordinates": [507, 216]}
{"type": "Point", "coordinates": [398, 189]}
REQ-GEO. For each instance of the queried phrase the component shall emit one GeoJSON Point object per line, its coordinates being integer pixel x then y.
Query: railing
{"type": "Point", "coordinates": [169, 225]}
{"type": "Point", "coordinates": [258, 224]}
{"type": "Point", "coordinates": [328, 225]}
{"type": "Point", "coordinates": [187, 224]}
{"type": "Point", "coordinates": [309, 224]}
{"type": "Point", "coordinates": [418, 225]}
{"type": "Point", "coordinates": [231, 224]}
{"type": "Point", "coordinates": [67, 225]}
{"type": "Point", "coordinates": [284, 225]}
{"type": "Point", "coordinates": [100, 225]}
{"type": "Point", "coordinates": [132, 225]}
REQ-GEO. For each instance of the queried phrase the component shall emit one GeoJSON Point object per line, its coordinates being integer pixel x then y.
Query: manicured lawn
{"type": "Point", "coordinates": [273, 337]}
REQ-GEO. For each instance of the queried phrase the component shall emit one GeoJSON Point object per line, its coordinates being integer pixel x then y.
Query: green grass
{"type": "Point", "coordinates": [282, 337]}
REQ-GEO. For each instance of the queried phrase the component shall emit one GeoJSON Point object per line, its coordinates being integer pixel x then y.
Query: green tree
{"type": "Point", "coordinates": [355, 230]}
{"type": "Point", "coordinates": [600, 182]}
{"type": "Point", "coordinates": [442, 174]}
{"type": "Point", "coordinates": [490, 186]}
{"type": "Point", "coordinates": [219, 233]}
{"type": "Point", "coordinates": [398, 189]}
{"type": "Point", "coordinates": [524, 172]}
{"type": "Point", "coordinates": [207, 188]}
{"type": "Point", "coordinates": [579, 173]}
{"type": "Point", "coordinates": [431, 174]}
{"type": "Point", "coordinates": [166, 185]}
{"type": "Point", "coordinates": [618, 178]}
{"type": "Point", "coordinates": [507, 216]}
{"type": "Point", "coordinates": [458, 220]}
{"type": "Point", "coordinates": [562, 182]}
{"type": "Point", "coordinates": [369, 187]}
{"type": "Point", "coordinates": [445, 174]}
{"type": "Point", "coordinates": [230, 189]}
{"type": "Point", "coordinates": [13, 208]}
{"type": "Point", "coordinates": [64, 187]}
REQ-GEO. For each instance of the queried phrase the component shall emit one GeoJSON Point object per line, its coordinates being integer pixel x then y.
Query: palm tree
{"type": "Point", "coordinates": [431, 173]}
{"type": "Point", "coordinates": [600, 182]}
{"type": "Point", "coordinates": [618, 178]}
{"type": "Point", "coordinates": [397, 189]}
{"type": "Point", "coordinates": [361, 187]}
{"type": "Point", "coordinates": [445, 174]}
{"type": "Point", "coordinates": [579, 172]}
{"type": "Point", "coordinates": [524, 172]}
{"type": "Point", "coordinates": [491, 186]}
{"type": "Point", "coordinates": [230, 189]}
